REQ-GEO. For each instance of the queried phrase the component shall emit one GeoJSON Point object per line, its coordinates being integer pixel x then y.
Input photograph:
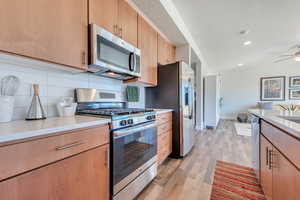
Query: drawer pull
{"type": "Point", "coordinates": [106, 163]}
{"type": "Point", "coordinates": [69, 145]}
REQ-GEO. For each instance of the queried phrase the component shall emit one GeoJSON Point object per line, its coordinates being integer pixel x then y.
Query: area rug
{"type": "Point", "coordinates": [235, 182]}
{"type": "Point", "coordinates": [243, 129]}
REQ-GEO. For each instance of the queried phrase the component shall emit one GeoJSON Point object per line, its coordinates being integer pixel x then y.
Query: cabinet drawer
{"type": "Point", "coordinates": [163, 118]}
{"type": "Point", "coordinates": [285, 143]}
{"type": "Point", "coordinates": [22, 157]}
{"type": "Point", "coordinates": [164, 128]}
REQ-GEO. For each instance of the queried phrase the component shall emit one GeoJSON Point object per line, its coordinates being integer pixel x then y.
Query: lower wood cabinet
{"type": "Point", "coordinates": [286, 178]}
{"type": "Point", "coordinates": [84, 176]}
{"type": "Point", "coordinates": [265, 167]}
{"type": "Point", "coordinates": [164, 138]}
{"type": "Point", "coordinates": [280, 179]}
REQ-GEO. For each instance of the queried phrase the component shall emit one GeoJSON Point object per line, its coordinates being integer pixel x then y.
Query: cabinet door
{"type": "Point", "coordinates": [162, 51]}
{"type": "Point", "coordinates": [166, 51]}
{"type": "Point", "coordinates": [266, 170]}
{"type": "Point", "coordinates": [147, 42]}
{"type": "Point", "coordinates": [172, 54]}
{"type": "Point", "coordinates": [128, 23]}
{"type": "Point", "coordinates": [49, 30]}
{"type": "Point", "coordinates": [104, 13]}
{"type": "Point", "coordinates": [286, 178]}
{"type": "Point", "coordinates": [84, 176]}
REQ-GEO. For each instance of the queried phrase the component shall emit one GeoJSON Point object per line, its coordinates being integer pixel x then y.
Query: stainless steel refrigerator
{"type": "Point", "coordinates": [176, 90]}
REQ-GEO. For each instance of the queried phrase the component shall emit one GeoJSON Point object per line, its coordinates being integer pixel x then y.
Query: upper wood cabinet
{"type": "Point", "coordinates": [104, 13]}
{"type": "Point", "coordinates": [147, 42]}
{"type": "Point", "coordinates": [116, 16]}
{"type": "Point", "coordinates": [166, 51]}
{"type": "Point", "coordinates": [128, 23]}
{"type": "Point", "coordinates": [49, 30]}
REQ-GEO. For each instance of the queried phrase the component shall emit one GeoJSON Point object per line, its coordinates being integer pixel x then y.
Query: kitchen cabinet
{"type": "Point", "coordinates": [280, 176]}
{"type": "Point", "coordinates": [265, 167]}
{"type": "Point", "coordinates": [128, 23]}
{"type": "Point", "coordinates": [164, 136]}
{"type": "Point", "coordinates": [84, 176]}
{"type": "Point", "coordinates": [286, 178]}
{"type": "Point", "coordinates": [71, 165]}
{"type": "Point", "coordinates": [49, 30]}
{"type": "Point", "coordinates": [166, 51]}
{"type": "Point", "coordinates": [147, 42]}
{"type": "Point", "coordinates": [104, 13]}
{"type": "Point", "coordinates": [116, 16]}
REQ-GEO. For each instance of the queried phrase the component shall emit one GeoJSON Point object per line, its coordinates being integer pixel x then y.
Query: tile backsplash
{"type": "Point", "coordinates": [54, 83]}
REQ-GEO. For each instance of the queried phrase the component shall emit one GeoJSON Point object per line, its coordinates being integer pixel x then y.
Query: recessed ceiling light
{"type": "Point", "coordinates": [240, 64]}
{"type": "Point", "coordinates": [247, 43]}
{"type": "Point", "coordinates": [244, 32]}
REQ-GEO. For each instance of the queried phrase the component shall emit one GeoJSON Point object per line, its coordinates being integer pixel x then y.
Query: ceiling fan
{"type": "Point", "coordinates": [295, 54]}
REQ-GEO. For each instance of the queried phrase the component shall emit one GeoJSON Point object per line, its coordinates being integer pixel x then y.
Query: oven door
{"type": "Point", "coordinates": [112, 56]}
{"type": "Point", "coordinates": [134, 151]}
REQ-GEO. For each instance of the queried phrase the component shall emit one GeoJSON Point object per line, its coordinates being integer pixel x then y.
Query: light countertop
{"type": "Point", "coordinates": [20, 130]}
{"type": "Point", "coordinates": [276, 117]}
{"type": "Point", "coordinates": [160, 111]}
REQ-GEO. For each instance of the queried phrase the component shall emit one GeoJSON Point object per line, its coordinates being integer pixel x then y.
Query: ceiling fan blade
{"type": "Point", "coordinates": [297, 46]}
{"type": "Point", "coordinates": [285, 55]}
{"type": "Point", "coordinates": [284, 59]}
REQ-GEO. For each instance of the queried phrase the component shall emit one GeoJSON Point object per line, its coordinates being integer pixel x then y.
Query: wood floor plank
{"type": "Point", "coordinates": [191, 178]}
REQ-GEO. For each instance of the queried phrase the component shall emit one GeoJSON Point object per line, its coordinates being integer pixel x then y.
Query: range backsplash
{"type": "Point", "coordinates": [54, 84]}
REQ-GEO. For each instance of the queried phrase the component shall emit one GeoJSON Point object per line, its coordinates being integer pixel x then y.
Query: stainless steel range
{"type": "Point", "coordinates": [133, 141]}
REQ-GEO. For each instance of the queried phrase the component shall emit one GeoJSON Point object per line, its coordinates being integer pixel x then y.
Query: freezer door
{"type": "Point", "coordinates": [187, 108]}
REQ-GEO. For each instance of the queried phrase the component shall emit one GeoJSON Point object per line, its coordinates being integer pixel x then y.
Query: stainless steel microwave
{"type": "Point", "coordinates": [110, 56]}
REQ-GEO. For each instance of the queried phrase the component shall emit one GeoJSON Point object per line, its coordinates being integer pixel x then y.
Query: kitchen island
{"type": "Point", "coordinates": [279, 159]}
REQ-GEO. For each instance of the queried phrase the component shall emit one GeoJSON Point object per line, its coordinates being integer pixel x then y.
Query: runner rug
{"type": "Point", "coordinates": [235, 182]}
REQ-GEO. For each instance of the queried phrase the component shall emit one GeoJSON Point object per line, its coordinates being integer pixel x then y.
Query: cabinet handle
{"type": "Point", "coordinates": [121, 32]}
{"type": "Point", "coordinates": [270, 159]}
{"type": "Point", "coordinates": [116, 29]}
{"type": "Point", "coordinates": [106, 163]}
{"type": "Point", "coordinates": [267, 156]}
{"type": "Point", "coordinates": [74, 144]}
{"type": "Point", "coordinates": [83, 58]}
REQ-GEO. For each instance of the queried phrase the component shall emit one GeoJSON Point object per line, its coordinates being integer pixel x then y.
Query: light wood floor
{"type": "Point", "coordinates": [191, 178]}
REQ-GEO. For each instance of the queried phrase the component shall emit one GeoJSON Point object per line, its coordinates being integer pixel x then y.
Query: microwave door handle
{"type": "Point", "coordinates": [131, 61]}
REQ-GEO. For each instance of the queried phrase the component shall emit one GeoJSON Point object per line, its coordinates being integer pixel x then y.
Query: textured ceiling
{"type": "Point", "coordinates": [215, 25]}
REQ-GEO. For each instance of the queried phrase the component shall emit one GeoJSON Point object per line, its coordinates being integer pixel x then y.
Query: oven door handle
{"type": "Point", "coordinates": [122, 133]}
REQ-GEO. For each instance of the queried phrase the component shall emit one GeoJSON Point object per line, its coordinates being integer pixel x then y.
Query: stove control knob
{"type": "Point", "coordinates": [123, 123]}
{"type": "Point", "coordinates": [130, 121]}
{"type": "Point", "coordinates": [150, 117]}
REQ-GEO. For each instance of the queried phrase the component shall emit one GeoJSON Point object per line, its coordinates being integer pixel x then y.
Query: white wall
{"type": "Point", "coordinates": [54, 84]}
{"type": "Point", "coordinates": [240, 88]}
